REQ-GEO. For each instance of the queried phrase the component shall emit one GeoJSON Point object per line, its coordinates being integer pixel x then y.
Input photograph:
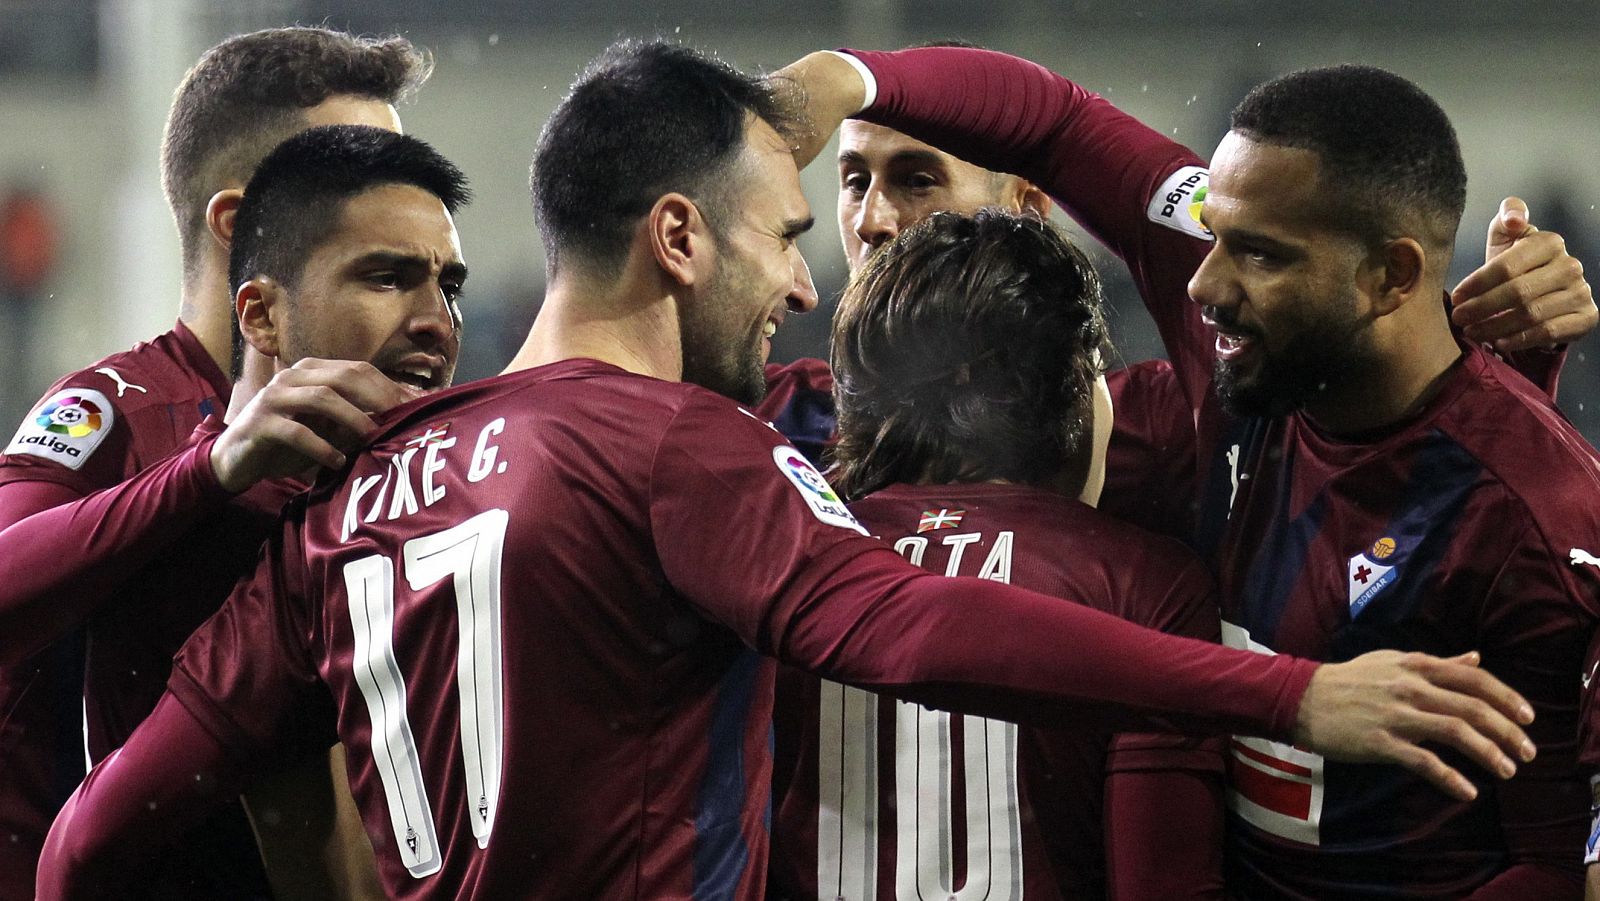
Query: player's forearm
{"type": "Point", "coordinates": [979, 647]}
{"type": "Point", "coordinates": [828, 91]}
{"type": "Point", "coordinates": [58, 565]}
{"type": "Point", "coordinates": [169, 775]}
{"type": "Point", "coordinates": [1011, 115]}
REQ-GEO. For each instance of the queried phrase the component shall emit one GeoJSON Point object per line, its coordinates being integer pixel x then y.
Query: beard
{"type": "Point", "coordinates": [1322, 354]}
{"type": "Point", "coordinates": [715, 355]}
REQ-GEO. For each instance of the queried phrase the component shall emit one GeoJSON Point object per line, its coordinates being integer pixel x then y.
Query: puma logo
{"type": "Point", "coordinates": [1590, 677]}
{"type": "Point", "coordinates": [1579, 555]}
{"type": "Point", "coordinates": [122, 386]}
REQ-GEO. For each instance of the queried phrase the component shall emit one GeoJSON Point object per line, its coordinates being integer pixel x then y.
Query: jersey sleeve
{"type": "Point", "coordinates": [60, 563]}
{"type": "Point", "coordinates": [1536, 622]}
{"type": "Point", "coordinates": [248, 674]}
{"type": "Point", "coordinates": [77, 435]}
{"type": "Point", "coordinates": [748, 532]}
{"type": "Point", "coordinates": [1134, 189]}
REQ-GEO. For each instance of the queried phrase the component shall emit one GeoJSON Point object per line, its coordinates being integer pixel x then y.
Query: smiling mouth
{"type": "Point", "coordinates": [422, 377]}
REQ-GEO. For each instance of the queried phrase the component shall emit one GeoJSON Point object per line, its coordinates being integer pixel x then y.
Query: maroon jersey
{"type": "Point", "coordinates": [799, 403]}
{"type": "Point", "coordinates": [879, 798]}
{"type": "Point", "coordinates": [1150, 462]}
{"type": "Point", "coordinates": [1459, 529]}
{"type": "Point", "coordinates": [534, 600]}
{"type": "Point", "coordinates": [95, 429]}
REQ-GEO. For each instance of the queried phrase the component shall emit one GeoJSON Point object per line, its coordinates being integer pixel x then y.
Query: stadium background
{"type": "Point", "coordinates": [85, 85]}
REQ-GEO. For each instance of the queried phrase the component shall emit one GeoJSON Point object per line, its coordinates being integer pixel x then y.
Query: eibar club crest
{"type": "Point", "coordinates": [943, 518]}
{"type": "Point", "coordinates": [1370, 572]}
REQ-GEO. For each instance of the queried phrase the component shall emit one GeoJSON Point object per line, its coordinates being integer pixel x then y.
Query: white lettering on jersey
{"type": "Point", "coordinates": [958, 545]}
{"type": "Point", "coordinates": [405, 499]}
{"type": "Point", "coordinates": [848, 836]}
{"type": "Point", "coordinates": [912, 547]}
{"type": "Point", "coordinates": [998, 564]}
{"type": "Point", "coordinates": [431, 493]}
{"type": "Point", "coordinates": [358, 489]}
{"type": "Point", "coordinates": [408, 497]}
{"type": "Point", "coordinates": [1176, 204]}
{"type": "Point", "coordinates": [814, 489]}
{"type": "Point", "coordinates": [66, 428]}
{"type": "Point", "coordinates": [122, 385]}
{"type": "Point", "coordinates": [1275, 787]}
{"type": "Point", "coordinates": [485, 454]}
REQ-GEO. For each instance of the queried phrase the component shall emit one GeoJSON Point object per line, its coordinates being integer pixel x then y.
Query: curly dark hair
{"type": "Point", "coordinates": [249, 92]}
{"type": "Point", "coordinates": [965, 350]}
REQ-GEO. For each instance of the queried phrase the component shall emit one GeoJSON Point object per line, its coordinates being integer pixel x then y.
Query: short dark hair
{"type": "Point", "coordinates": [642, 120]}
{"type": "Point", "coordinates": [1388, 151]}
{"type": "Point", "coordinates": [248, 93]}
{"type": "Point", "coordinates": [294, 200]}
{"type": "Point", "coordinates": [965, 350]}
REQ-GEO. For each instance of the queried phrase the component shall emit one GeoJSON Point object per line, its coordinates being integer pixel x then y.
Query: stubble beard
{"type": "Point", "coordinates": [1323, 356]}
{"type": "Point", "coordinates": [715, 358]}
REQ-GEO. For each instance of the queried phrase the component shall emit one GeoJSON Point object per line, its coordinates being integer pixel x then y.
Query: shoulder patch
{"type": "Point", "coordinates": [1176, 203]}
{"type": "Point", "coordinates": [66, 428]}
{"type": "Point", "coordinates": [814, 489]}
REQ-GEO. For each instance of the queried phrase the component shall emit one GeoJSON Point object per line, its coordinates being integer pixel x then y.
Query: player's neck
{"type": "Point", "coordinates": [206, 309]}
{"type": "Point", "coordinates": [1409, 372]}
{"type": "Point", "coordinates": [256, 371]}
{"type": "Point", "coordinates": [605, 323]}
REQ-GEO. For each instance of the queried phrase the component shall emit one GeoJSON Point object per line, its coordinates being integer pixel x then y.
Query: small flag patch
{"type": "Point", "coordinates": [943, 518]}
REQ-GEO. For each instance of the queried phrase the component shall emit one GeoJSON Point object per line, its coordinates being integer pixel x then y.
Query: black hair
{"type": "Point", "coordinates": [642, 120]}
{"type": "Point", "coordinates": [1387, 150]}
{"type": "Point", "coordinates": [294, 200]}
{"type": "Point", "coordinates": [965, 350]}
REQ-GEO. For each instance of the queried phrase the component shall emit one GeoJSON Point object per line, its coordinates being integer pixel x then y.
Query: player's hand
{"type": "Point", "coordinates": [828, 90]}
{"type": "Point", "coordinates": [1528, 293]}
{"type": "Point", "coordinates": [309, 415]}
{"type": "Point", "coordinates": [1381, 707]}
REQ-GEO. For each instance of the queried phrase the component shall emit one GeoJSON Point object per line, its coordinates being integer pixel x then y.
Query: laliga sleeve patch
{"type": "Point", "coordinates": [1177, 202]}
{"type": "Point", "coordinates": [814, 489]}
{"type": "Point", "coordinates": [66, 428]}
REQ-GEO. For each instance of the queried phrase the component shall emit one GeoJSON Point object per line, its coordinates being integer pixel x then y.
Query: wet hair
{"type": "Point", "coordinates": [248, 93]}
{"type": "Point", "coordinates": [644, 119]}
{"type": "Point", "coordinates": [964, 351]}
{"type": "Point", "coordinates": [297, 196]}
{"type": "Point", "coordinates": [1390, 161]}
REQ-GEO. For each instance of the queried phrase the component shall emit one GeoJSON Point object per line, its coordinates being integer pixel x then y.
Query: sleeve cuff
{"type": "Point", "coordinates": [867, 78]}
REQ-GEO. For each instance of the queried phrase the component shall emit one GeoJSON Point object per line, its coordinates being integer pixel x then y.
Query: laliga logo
{"type": "Point", "coordinates": [71, 416]}
{"type": "Point", "coordinates": [812, 479]}
{"type": "Point", "coordinates": [1186, 192]}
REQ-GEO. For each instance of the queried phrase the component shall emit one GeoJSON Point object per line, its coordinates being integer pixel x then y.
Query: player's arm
{"type": "Point", "coordinates": [791, 572]}
{"type": "Point", "coordinates": [238, 686]}
{"type": "Point", "coordinates": [62, 555]}
{"type": "Point", "coordinates": [1528, 300]}
{"type": "Point", "coordinates": [169, 776]}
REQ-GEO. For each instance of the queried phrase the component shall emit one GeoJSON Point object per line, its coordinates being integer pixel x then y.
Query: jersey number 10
{"type": "Point", "coordinates": [469, 552]}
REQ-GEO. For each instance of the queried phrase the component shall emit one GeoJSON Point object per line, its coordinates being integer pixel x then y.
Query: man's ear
{"type": "Point", "coordinates": [680, 239]}
{"type": "Point", "coordinates": [220, 213]}
{"type": "Point", "coordinates": [258, 304]}
{"type": "Point", "coordinates": [1030, 200]}
{"type": "Point", "coordinates": [1397, 275]}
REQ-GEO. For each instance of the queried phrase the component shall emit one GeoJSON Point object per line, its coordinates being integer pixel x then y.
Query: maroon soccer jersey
{"type": "Point", "coordinates": [95, 429]}
{"type": "Point", "coordinates": [534, 601]}
{"type": "Point", "coordinates": [879, 798]}
{"type": "Point", "coordinates": [1457, 530]}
